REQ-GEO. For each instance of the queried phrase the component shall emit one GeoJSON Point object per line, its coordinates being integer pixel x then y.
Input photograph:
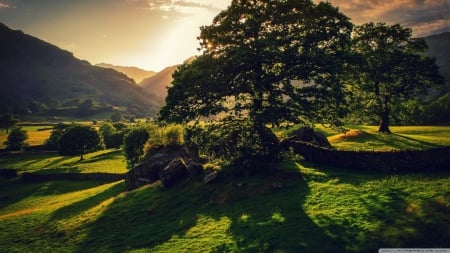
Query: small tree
{"type": "Point", "coordinates": [16, 139]}
{"type": "Point", "coordinates": [52, 142]}
{"type": "Point", "coordinates": [79, 140]}
{"type": "Point", "coordinates": [134, 143]}
{"type": "Point", "coordinates": [111, 136]}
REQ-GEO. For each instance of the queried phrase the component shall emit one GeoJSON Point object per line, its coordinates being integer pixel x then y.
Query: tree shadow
{"type": "Point", "coordinates": [418, 143]}
{"type": "Point", "coordinates": [265, 214]}
{"type": "Point", "coordinates": [15, 190]}
{"type": "Point", "coordinates": [87, 203]}
{"type": "Point", "coordinates": [404, 221]}
{"type": "Point", "coordinates": [110, 155]}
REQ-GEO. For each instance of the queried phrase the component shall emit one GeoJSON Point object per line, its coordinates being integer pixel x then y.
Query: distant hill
{"type": "Point", "coordinates": [157, 84]}
{"type": "Point", "coordinates": [137, 74]}
{"type": "Point", "coordinates": [438, 47]}
{"type": "Point", "coordinates": [34, 72]}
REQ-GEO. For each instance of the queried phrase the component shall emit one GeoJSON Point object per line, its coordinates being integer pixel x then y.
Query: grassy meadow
{"type": "Point", "coordinates": [296, 207]}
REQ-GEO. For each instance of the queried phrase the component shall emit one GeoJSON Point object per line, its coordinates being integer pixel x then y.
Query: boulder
{"type": "Point", "coordinates": [307, 134]}
{"type": "Point", "coordinates": [174, 172]}
{"type": "Point", "coordinates": [148, 171]}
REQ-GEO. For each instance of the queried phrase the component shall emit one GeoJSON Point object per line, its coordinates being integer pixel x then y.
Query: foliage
{"type": "Point", "coordinates": [168, 135]}
{"type": "Point", "coordinates": [133, 145]}
{"type": "Point", "coordinates": [438, 111]}
{"type": "Point", "coordinates": [392, 69]}
{"type": "Point", "coordinates": [7, 121]}
{"type": "Point", "coordinates": [112, 137]}
{"type": "Point", "coordinates": [86, 108]}
{"type": "Point", "coordinates": [264, 62]}
{"type": "Point", "coordinates": [52, 143]}
{"type": "Point", "coordinates": [78, 140]}
{"type": "Point", "coordinates": [16, 139]}
{"type": "Point", "coordinates": [234, 142]}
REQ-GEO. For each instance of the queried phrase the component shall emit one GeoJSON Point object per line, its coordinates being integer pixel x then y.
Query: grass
{"type": "Point", "coordinates": [402, 138]}
{"type": "Point", "coordinates": [109, 160]}
{"type": "Point", "coordinates": [36, 134]}
{"type": "Point", "coordinates": [316, 210]}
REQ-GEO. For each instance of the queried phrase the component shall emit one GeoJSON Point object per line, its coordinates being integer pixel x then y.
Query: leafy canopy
{"type": "Point", "coordinates": [264, 62]}
{"type": "Point", "coordinates": [258, 57]}
{"type": "Point", "coordinates": [78, 140]}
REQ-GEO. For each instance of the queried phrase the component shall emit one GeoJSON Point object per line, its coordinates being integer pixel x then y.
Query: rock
{"type": "Point", "coordinates": [307, 134]}
{"type": "Point", "coordinates": [174, 172]}
{"type": "Point", "coordinates": [149, 170]}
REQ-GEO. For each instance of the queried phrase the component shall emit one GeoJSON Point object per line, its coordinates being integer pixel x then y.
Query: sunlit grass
{"type": "Point", "coordinates": [402, 138]}
{"type": "Point", "coordinates": [109, 160]}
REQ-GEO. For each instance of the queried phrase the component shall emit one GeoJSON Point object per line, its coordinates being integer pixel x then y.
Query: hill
{"type": "Point", "coordinates": [137, 74]}
{"type": "Point", "coordinates": [438, 47]}
{"type": "Point", "coordinates": [36, 74]}
{"type": "Point", "coordinates": [157, 84]}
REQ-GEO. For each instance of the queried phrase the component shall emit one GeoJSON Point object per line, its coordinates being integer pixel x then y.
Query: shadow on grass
{"type": "Point", "coordinates": [404, 220]}
{"type": "Point", "coordinates": [417, 143]}
{"type": "Point", "coordinates": [265, 215]}
{"type": "Point", "coordinates": [15, 190]}
{"type": "Point", "coordinates": [88, 203]}
{"type": "Point", "coordinates": [106, 156]}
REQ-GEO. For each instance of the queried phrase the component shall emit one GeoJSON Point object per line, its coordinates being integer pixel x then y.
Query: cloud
{"type": "Point", "coordinates": [183, 6]}
{"type": "Point", "coordinates": [423, 16]}
{"type": "Point", "coordinates": [4, 6]}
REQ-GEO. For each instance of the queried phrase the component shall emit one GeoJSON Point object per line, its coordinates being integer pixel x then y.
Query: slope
{"type": "Point", "coordinates": [137, 74]}
{"type": "Point", "coordinates": [33, 71]}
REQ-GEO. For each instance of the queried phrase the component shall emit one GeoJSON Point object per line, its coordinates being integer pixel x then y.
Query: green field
{"type": "Point", "coordinates": [296, 207]}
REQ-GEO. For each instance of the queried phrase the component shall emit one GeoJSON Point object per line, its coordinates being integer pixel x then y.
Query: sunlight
{"type": "Point", "coordinates": [206, 231]}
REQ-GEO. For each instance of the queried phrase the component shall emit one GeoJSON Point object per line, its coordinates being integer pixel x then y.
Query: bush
{"type": "Point", "coordinates": [234, 142]}
{"type": "Point", "coordinates": [16, 139]}
{"type": "Point", "coordinates": [134, 145]}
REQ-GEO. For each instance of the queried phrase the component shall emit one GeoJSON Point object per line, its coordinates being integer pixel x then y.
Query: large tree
{"type": "Point", "coordinates": [264, 62]}
{"type": "Point", "coordinates": [393, 69]}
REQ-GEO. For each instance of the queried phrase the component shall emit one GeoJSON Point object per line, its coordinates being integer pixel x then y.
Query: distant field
{"type": "Point", "coordinates": [36, 134]}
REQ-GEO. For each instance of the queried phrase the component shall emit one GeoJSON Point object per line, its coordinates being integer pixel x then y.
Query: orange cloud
{"type": "Point", "coordinates": [423, 16]}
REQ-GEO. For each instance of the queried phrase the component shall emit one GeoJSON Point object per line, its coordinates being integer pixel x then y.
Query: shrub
{"type": "Point", "coordinates": [134, 145]}
{"type": "Point", "coordinates": [234, 142]}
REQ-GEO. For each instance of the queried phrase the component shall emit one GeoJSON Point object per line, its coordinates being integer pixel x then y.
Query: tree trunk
{"type": "Point", "coordinates": [384, 124]}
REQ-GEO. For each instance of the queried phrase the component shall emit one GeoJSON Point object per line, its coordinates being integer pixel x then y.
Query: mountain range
{"type": "Point", "coordinates": [137, 74]}
{"type": "Point", "coordinates": [33, 71]}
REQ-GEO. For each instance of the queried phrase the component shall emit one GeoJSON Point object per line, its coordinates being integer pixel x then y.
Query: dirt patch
{"type": "Point", "coordinates": [352, 134]}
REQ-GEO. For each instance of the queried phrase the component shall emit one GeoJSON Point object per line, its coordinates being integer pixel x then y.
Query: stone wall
{"type": "Point", "coordinates": [430, 160]}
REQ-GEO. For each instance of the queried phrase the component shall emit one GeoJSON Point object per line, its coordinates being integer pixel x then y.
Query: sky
{"type": "Point", "coordinates": [153, 34]}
